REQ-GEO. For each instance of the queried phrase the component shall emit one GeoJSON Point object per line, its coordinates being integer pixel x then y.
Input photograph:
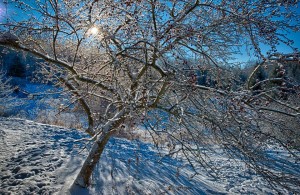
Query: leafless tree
{"type": "Point", "coordinates": [133, 57]}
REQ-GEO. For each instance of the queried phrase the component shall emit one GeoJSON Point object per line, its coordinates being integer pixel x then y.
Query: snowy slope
{"type": "Point", "coordinates": [42, 159]}
{"type": "Point", "coordinates": [34, 157]}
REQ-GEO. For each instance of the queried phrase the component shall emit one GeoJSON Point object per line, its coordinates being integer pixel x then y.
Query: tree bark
{"type": "Point", "coordinates": [91, 161]}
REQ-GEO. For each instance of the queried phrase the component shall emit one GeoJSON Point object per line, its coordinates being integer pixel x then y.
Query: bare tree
{"type": "Point", "coordinates": [134, 59]}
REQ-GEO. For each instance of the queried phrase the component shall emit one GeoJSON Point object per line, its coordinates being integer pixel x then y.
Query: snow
{"type": "Point", "coordinates": [34, 157]}
{"type": "Point", "coordinates": [44, 159]}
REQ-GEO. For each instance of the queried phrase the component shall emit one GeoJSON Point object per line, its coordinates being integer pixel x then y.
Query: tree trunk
{"type": "Point", "coordinates": [91, 161]}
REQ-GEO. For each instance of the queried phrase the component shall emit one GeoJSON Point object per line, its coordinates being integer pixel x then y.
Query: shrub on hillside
{"type": "Point", "coordinates": [7, 101]}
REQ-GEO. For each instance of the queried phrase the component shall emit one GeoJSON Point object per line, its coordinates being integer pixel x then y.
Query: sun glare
{"type": "Point", "coordinates": [94, 30]}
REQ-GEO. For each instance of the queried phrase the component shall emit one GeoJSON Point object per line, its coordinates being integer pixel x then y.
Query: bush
{"type": "Point", "coordinates": [7, 101]}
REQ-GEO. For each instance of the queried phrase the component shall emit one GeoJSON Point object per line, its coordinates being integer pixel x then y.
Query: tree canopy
{"type": "Point", "coordinates": [136, 62]}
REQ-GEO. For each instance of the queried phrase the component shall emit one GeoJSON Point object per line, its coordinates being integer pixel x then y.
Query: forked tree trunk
{"type": "Point", "coordinates": [91, 161]}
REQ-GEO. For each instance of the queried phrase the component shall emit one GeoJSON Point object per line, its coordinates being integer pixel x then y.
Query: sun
{"type": "Point", "coordinates": [94, 30]}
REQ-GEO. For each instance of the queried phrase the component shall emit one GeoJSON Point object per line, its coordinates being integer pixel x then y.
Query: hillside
{"type": "Point", "coordinates": [43, 159]}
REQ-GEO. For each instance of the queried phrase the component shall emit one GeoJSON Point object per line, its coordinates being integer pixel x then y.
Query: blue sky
{"type": "Point", "coordinates": [282, 48]}
{"type": "Point", "coordinates": [244, 57]}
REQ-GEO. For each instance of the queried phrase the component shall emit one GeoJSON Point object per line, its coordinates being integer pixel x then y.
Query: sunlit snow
{"type": "Point", "coordinates": [43, 159]}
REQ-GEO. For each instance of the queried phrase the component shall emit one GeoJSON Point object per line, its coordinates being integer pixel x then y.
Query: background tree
{"type": "Point", "coordinates": [133, 58]}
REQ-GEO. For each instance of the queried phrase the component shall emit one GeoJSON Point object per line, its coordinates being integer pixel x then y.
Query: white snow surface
{"type": "Point", "coordinates": [44, 159]}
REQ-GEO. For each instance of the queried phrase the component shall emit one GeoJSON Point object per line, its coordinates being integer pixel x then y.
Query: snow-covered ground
{"type": "Point", "coordinates": [35, 158]}
{"type": "Point", "coordinates": [43, 159]}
